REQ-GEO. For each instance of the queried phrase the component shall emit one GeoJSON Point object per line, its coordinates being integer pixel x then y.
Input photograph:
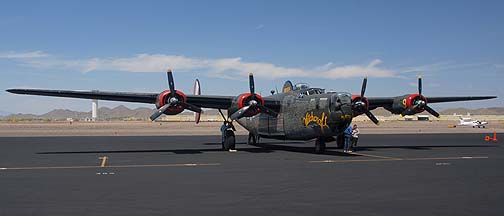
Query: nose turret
{"type": "Point", "coordinates": [341, 112]}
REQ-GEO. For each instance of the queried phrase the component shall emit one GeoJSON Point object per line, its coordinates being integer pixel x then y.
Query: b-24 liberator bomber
{"type": "Point", "coordinates": [299, 112]}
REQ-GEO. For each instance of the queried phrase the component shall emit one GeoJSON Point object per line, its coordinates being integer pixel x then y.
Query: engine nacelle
{"type": "Point", "coordinates": [359, 105]}
{"type": "Point", "coordinates": [409, 104]}
{"type": "Point", "coordinates": [246, 99]}
{"type": "Point", "coordinates": [164, 98]}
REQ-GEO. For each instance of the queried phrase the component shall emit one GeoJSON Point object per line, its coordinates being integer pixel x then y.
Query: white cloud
{"type": "Point", "coordinates": [440, 66]}
{"type": "Point", "coordinates": [260, 26]}
{"type": "Point", "coordinates": [23, 55]}
{"type": "Point", "coordinates": [223, 67]}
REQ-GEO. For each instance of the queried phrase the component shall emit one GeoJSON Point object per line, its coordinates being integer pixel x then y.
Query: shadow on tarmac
{"type": "Point", "coordinates": [268, 147]}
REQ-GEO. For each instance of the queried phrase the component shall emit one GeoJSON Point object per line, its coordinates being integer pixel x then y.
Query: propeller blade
{"type": "Point", "coordinates": [372, 117]}
{"type": "Point", "coordinates": [171, 84]}
{"type": "Point", "coordinates": [420, 85]}
{"type": "Point", "coordinates": [251, 84]}
{"type": "Point", "coordinates": [267, 110]}
{"type": "Point", "coordinates": [240, 113]}
{"type": "Point", "coordinates": [432, 111]}
{"type": "Point", "coordinates": [191, 107]}
{"type": "Point", "coordinates": [363, 90]}
{"type": "Point", "coordinates": [159, 112]}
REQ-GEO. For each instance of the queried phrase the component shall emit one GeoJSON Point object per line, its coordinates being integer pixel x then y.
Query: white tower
{"type": "Point", "coordinates": [94, 110]}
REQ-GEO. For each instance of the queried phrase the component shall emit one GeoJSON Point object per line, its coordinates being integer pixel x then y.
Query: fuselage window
{"type": "Point", "coordinates": [313, 104]}
{"type": "Point", "coordinates": [322, 103]}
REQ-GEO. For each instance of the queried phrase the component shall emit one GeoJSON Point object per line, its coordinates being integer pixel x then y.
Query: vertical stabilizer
{"type": "Point", "coordinates": [287, 87]}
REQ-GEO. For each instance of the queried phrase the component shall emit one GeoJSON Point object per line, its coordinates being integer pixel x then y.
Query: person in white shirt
{"type": "Point", "coordinates": [355, 137]}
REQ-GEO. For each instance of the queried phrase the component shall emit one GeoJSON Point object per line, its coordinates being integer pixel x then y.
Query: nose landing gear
{"type": "Point", "coordinates": [253, 139]}
{"type": "Point", "coordinates": [320, 145]}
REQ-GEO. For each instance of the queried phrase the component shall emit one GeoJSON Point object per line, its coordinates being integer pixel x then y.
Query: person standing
{"type": "Point", "coordinates": [348, 135]}
{"type": "Point", "coordinates": [355, 137]}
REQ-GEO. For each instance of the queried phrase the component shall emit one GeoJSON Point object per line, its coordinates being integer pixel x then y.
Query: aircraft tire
{"type": "Point", "coordinates": [229, 141]}
{"type": "Point", "coordinates": [340, 141]}
{"type": "Point", "coordinates": [320, 146]}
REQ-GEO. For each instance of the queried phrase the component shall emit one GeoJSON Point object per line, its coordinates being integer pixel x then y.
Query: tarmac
{"type": "Point", "coordinates": [403, 174]}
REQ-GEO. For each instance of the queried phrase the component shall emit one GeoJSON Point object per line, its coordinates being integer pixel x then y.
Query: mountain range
{"type": "Point", "coordinates": [121, 112]}
{"type": "Point", "coordinates": [3, 113]}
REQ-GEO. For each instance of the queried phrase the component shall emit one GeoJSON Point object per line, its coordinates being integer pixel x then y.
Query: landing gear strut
{"type": "Point", "coordinates": [320, 145]}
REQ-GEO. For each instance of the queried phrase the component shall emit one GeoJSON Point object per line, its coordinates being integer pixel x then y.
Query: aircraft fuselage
{"type": "Point", "coordinates": [303, 116]}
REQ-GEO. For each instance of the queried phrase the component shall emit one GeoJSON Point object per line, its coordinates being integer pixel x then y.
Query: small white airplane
{"type": "Point", "coordinates": [476, 123]}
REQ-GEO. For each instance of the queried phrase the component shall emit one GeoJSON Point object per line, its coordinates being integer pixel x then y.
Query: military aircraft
{"type": "Point", "coordinates": [297, 113]}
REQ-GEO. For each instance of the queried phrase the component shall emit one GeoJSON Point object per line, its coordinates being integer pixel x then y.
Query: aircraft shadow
{"type": "Point", "coordinates": [268, 147]}
{"type": "Point", "coordinates": [174, 151]}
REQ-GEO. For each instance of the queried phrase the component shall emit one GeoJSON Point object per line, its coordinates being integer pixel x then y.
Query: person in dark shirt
{"type": "Point", "coordinates": [348, 135]}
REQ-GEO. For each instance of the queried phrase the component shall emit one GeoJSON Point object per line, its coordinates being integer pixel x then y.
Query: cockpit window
{"type": "Point", "coordinates": [313, 91]}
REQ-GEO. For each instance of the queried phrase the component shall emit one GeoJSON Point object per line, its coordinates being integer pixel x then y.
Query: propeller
{"type": "Point", "coordinates": [420, 103]}
{"type": "Point", "coordinates": [173, 100]}
{"type": "Point", "coordinates": [253, 104]}
{"type": "Point", "coordinates": [361, 106]}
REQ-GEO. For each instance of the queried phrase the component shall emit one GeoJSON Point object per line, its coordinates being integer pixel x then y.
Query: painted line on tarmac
{"type": "Point", "coordinates": [110, 166]}
{"type": "Point", "coordinates": [370, 155]}
{"type": "Point", "coordinates": [398, 159]}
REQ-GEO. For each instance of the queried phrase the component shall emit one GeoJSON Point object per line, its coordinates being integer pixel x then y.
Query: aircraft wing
{"type": "Point", "coordinates": [375, 102]}
{"type": "Point", "coordinates": [100, 95]}
{"type": "Point", "coordinates": [454, 99]}
{"type": "Point", "coordinates": [204, 101]}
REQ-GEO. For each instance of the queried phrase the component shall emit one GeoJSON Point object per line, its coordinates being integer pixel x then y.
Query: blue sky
{"type": "Point", "coordinates": [127, 45]}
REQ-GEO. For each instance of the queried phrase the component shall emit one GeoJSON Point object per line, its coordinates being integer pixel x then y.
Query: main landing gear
{"type": "Point", "coordinates": [228, 136]}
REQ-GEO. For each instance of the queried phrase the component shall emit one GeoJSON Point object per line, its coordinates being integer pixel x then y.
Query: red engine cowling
{"type": "Point", "coordinates": [244, 100]}
{"type": "Point", "coordinates": [415, 99]}
{"type": "Point", "coordinates": [359, 109]}
{"type": "Point", "coordinates": [164, 97]}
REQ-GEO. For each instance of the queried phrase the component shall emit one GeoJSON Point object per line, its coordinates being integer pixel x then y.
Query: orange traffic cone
{"type": "Point", "coordinates": [494, 138]}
